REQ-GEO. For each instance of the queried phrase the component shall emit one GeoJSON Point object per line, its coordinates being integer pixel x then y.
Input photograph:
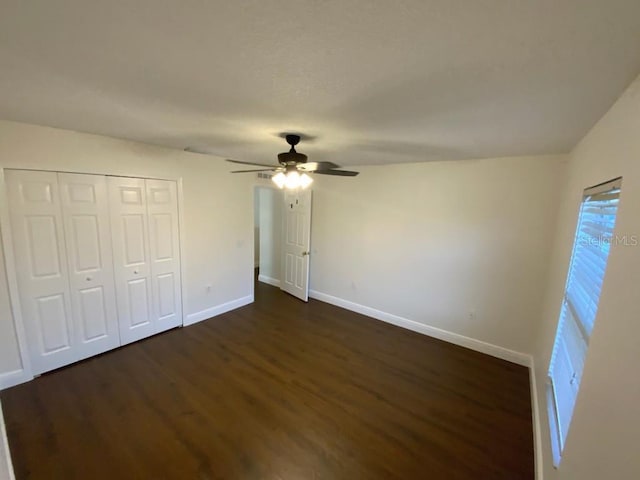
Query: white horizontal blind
{"type": "Point", "coordinates": [593, 240]}
{"type": "Point", "coordinates": [591, 250]}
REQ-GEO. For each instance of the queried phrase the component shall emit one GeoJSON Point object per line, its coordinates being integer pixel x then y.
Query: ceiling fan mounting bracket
{"type": "Point", "coordinates": [292, 140]}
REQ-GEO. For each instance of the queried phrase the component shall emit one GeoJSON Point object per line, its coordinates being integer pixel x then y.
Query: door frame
{"type": "Point", "coordinates": [25, 374]}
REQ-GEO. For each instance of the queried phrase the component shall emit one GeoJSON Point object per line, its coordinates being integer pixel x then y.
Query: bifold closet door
{"type": "Point", "coordinates": [144, 232]}
{"type": "Point", "coordinates": [130, 238]}
{"type": "Point", "coordinates": [60, 228]}
{"type": "Point", "coordinates": [85, 211]}
{"type": "Point", "coordinates": [162, 208]}
{"type": "Point", "coordinates": [41, 264]}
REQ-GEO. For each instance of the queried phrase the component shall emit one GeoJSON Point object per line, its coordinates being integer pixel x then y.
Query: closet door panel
{"type": "Point", "coordinates": [130, 238]}
{"type": "Point", "coordinates": [86, 220]}
{"type": "Point", "coordinates": [41, 261]}
{"type": "Point", "coordinates": [162, 207]}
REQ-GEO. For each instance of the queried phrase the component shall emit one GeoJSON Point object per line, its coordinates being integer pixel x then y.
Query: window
{"type": "Point", "coordinates": [594, 236]}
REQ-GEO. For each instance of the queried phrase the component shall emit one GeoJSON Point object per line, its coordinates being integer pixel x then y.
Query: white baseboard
{"type": "Point", "coordinates": [15, 377]}
{"type": "Point", "coordinates": [6, 467]}
{"type": "Point", "coordinates": [271, 281]}
{"type": "Point", "coordinates": [456, 339]}
{"type": "Point", "coordinates": [535, 414]}
{"type": "Point", "coordinates": [217, 310]}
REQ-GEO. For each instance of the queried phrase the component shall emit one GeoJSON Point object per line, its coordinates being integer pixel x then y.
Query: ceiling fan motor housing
{"type": "Point", "coordinates": [291, 157]}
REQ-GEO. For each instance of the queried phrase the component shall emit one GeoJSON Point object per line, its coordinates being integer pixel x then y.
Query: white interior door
{"type": "Point", "coordinates": [132, 266]}
{"type": "Point", "coordinates": [297, 238]}
{"type": "Point", "coordinates": [164, 243]}
{"type": "Point", "coordinates": [88, 239]}
{"type": "Point", "coordinates": [41, 263]}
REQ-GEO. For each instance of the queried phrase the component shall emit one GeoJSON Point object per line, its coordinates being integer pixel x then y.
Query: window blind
{"type": "Point", "coordinates": [592, 244]}
{"type": "Point", "coordinates": [590, 252]}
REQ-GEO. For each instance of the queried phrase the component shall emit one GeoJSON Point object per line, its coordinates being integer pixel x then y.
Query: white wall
{"type": "Point", "coordinates": [217, 207]}
{"type": "Point", "coordinates": [432, 242]}
{"type": "Point", "coordinates": [604, 437]}
{"type": "Point", "coordinates": [270, 213]}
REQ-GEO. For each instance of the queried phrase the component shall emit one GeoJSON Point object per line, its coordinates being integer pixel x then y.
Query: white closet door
{"type": "Point", "coordinates": [162, 207]}
{"type": "Point", "coordinates": [39, 246]}
{"type": "Point", "coordinates": [130, 238]}
{"type": "Point", "coordinates": [85, 211]}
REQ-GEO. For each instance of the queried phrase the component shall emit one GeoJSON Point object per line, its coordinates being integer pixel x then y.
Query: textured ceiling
{"type": "Point", "coordinates": [371, 82]}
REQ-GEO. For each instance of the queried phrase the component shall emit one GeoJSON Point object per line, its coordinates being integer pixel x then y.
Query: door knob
{"type": "Point", "coordinates": [88, 279]}
{"type": "Point", "coordinates": [135, 272]}
{"type": "Point", "coordinates": [304, 254]}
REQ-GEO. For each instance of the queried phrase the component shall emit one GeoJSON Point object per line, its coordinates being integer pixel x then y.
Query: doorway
{"type": "Point", "coordinates": [267, 207]}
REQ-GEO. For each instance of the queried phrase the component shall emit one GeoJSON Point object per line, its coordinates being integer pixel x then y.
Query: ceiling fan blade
{"type": "Point", "coordinates": [315, 166]}
{"type": "Point", "coordinates": [255, 170]}
{"type": "Point", "coordinates": [340, 173]}
{"type": "Point", "coordinates": [252, 163]}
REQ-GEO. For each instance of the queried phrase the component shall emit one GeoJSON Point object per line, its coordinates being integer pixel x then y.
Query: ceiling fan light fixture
{"type": "Point", "coordinates": [292, 180]}
{"type": "Point", "coordinates": [279, 179]}
{"type": "Point", "coordinates": [305, 180]}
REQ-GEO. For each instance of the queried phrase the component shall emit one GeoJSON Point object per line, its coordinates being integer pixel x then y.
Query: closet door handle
{"type": "Point", "coordinates": [135, 272]}
{"type": "Point", "coordinates": [88, 279]}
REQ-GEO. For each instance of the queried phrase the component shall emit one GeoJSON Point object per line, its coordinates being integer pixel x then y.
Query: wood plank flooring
{"type": "Point", "coordinates": [276, 390]}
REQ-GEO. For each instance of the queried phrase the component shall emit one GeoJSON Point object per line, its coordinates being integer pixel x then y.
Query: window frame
{"type": "Point", "coordinates": [567, 309]}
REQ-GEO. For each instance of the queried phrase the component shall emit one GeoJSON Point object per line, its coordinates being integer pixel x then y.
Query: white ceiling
{"type": "Point", "coordinates": [373, 81]}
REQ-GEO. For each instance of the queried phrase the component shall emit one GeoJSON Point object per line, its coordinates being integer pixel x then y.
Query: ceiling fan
{"type": "Point", "coordinates": [293, 169]}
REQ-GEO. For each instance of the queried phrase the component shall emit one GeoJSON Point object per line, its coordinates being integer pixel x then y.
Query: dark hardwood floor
{"type": "Point", "coordinates": [277, 390]}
